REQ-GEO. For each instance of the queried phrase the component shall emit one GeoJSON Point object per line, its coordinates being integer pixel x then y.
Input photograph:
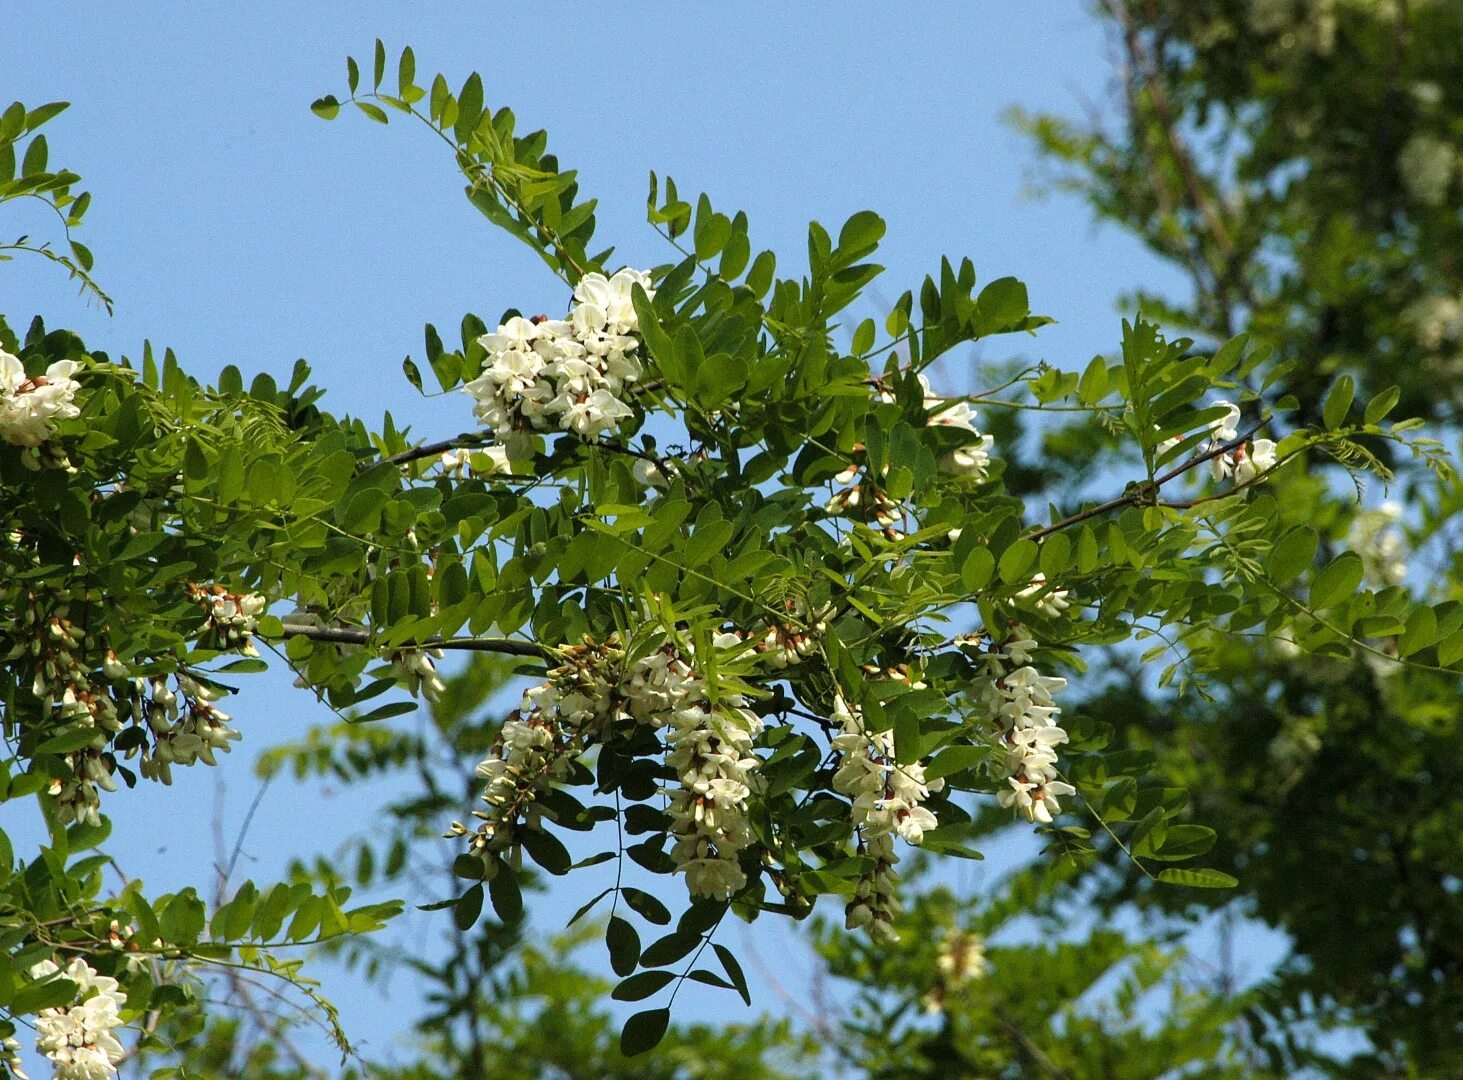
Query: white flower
{"type": "Point", "coordinates": [29, 405]}
{"type": "Point", "coordinates": [1052, 603]}
{"type": "Point", "coordinates": [885, 802]}
{"type": "Point", "coordinates": [1259, 458]}
{"type": "Point", "coordinates": [546, 374]}
{"type": "Point", "coordinates": [1374, 536]}
{"type": "Point", "coordinates": [1226, 428]}
{"type": "Point", "coordinates": [78, 1038]}
{"type": "Point", "coordinates": [1427, 166]}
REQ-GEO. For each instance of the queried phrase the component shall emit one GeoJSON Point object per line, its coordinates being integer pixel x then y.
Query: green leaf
{"type": "Point", "coordinates": [1338, 581]}
{"type": "Point", "coordinates": [1056, 555]}
{"type": "Point", "coordinates": [1378, 407]}
{"type": "Point", "coordinates": [380, 68]}
{"type": "Point", "coordinates": [327, 108]}
{"type": "Point", "coordinates": [1002, 306]}
{"type": "Point", "coordinates": [1292, 555]}
{"type": "Point", "coordinates": [955, 759]}
{"type": "Point", "coordinates": [406, 72]}
{"type": "Point", "coordinates": [1016, 560]}
{"type": "Point", "coordinates": [733, 971]}
{"type": "Point", "coordinates": [375, 112]}
{"type": "Point", "coordinates": [468, 908]}
{"type": "Point", "coordinates": [624, 945]}
{"type": "Point", "coordinates": [643, 1031]}
{"type": "Point", "coordinates": [1197, 879]}
{"type": "Point", "coordinates": [506, 896]}
{"type": "Point", "coordinates": [1092, 387]}
{"type": "Point", "coordinates": [976, 571]}
{"type": "Point", "coordinates": [1338, 401]}
{"type": "Point", "coordinates": [647, 906]}
{"type": "Point", "coordinates": [641, 986]}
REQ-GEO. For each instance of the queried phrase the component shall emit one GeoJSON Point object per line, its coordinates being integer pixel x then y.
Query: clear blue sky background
{"type": "Point", "coordinates": [232, 225]}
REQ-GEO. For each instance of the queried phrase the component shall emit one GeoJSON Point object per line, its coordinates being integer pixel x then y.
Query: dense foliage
{"type": "Point", "coordinates": [790, 616]}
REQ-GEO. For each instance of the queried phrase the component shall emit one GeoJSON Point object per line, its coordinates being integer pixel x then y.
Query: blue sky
{"type": "Point", "coordinates": [231, 224]}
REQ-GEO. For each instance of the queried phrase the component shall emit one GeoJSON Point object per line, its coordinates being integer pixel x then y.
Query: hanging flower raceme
{"type": "Point", "coordinates": [886, 802]}
{"type": "Point", "coordinates": [571, 374]}
{"type": "Point", "coordinates": [232, 617]}
{"type": "Point", "coordinates": [29, 406]}
{"type": "Point", "coordinates": [1021, 704]}
{"type": "Point", "coordinates": [1036, 594]}
{"type": "Point", "coordinates": [78, 1038]}
{"type": "Point", "coordinates": [539, 742]}
{"type": "Point", "coordinates": [961, 960]}
{"type": "Point", "coordinates": [582, 702]}
{"type": "Point", "coordinates": [1374, 536]}
{"type": "Point", "coordinates": [710, 747]}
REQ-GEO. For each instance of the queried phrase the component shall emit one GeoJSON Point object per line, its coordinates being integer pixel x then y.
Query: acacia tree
{"type": "Point", "coordinates": [787, 613]}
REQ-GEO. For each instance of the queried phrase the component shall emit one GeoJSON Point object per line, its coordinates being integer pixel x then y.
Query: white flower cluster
{"type": "Point", "coordinates": [571, 374]}
{"type": "Point", "coordinates": [185, 725]}
{"type": "Point", "coordinates": [539, 741]}
{"type": "Point", "coordinates": [78, 1037]}
{"type": "Point", "coordinates": [1244, 462]}
{"type": "Point", "coordinates": [1022, 705]}
{"type": "Point", "coordinates": [973, 460]}
{"type": "Point", "coordinates": [859, 498]}
{"type": "Point", "coordinates": [1374, 536]}
{"type": "Point", "coordinates": [232, 617]}
{"type": "Point", "coordinates": [961, 960]}
{"type": "Point", "coordinates": [710, 747]}
{"type": "Point", "coordinates": [483, 462]}
{"type": "Point", "coordinates": [1050, 602]}
{"type": "Point", "coordinates": [1428, 166]}
{"type": "Point", "coordinates": [29, 405]}
{"type": "Point", "coordinates": [784, 644]}
{"type": "Point", "coordinates": [887, 801]}
{"type": "Point", "coordinates": [417, 668]}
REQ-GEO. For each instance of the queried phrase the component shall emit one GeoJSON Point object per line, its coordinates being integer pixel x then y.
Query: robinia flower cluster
{"type": "Point", "coordinates": [1375, 537]}
{"type": "Point", "coordinates": [1242, 463]}
{"type": "Point", "coordinates": [961, 960]}
{"type": "Point", "coordinates": [886, 800]}
{"type": "Point", "coordinates": [1020, 702]}
{"type": "Point", "coordinates": [78, 1038]}
{"type": "Point", "coordinates": [29, 405]}
{"type": "Point", "coordinates": [585, 700]}
{"type": "Point", "coordinates": [571, 374]}
{"type": "Point", "coordinates": [972, 461]}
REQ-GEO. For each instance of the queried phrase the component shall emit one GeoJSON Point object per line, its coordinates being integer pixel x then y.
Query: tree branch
{"type": "Point", "coordinates": [343, 635]}
{"type": "Point", "coordinates": [1139, 494]}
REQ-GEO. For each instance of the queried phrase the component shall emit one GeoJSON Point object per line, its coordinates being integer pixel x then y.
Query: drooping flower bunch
{"type": "Point", "coordinates": [710, 747]}
{"type": "Point", "coordinates": [859, 498]}
{"type": "Point", "coordinates": [1244, 462]}
{"type": "Point", "coordinates": [1022, 707]}
{"type": "Point", "coordinates": [961, 960]}
{"type": "Point", "coordinates": [1050, 602]}
{"type": "Point", "coordinates": [417, 669]}
{"type": "Point", "coordinates": [973, 460]}
{"type": "Point", "coordinates": [29, 405]}
{"type": "Point", "coordinates": [1374, 536]}
{"type": "Point", "coordinates": [487, 461]}
{"type": "Point", "coordinates": [886, 802]}
{"type": "Point", "coordinates": [571, 374]}
{"type": "Point", "coordinates": [232, 617]}
{"type": "Point", "coordinates": [784, 644]}
{"type": "Point", "coordinates": [583, 701]}
{"type": "Point", "coordinates": [78, 1038]}
{"type": "Point", "coordinates": [540, 740]}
